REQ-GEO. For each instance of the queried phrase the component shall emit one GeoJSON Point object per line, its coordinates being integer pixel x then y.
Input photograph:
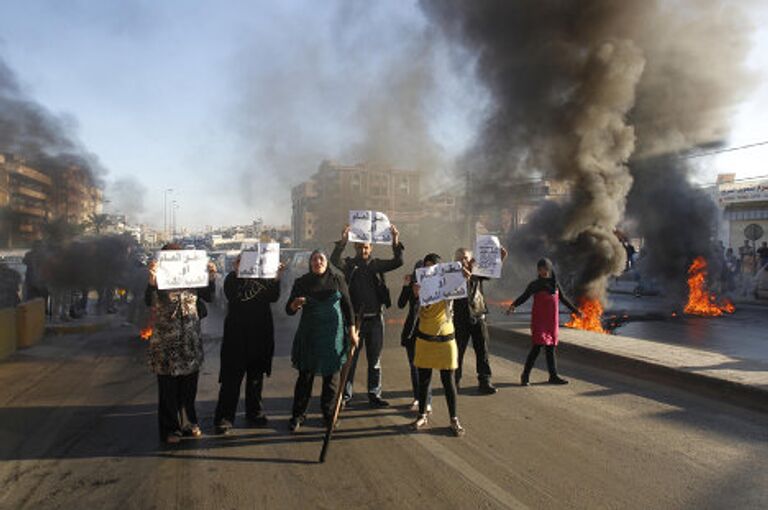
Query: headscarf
{"type": "Point", "coordinates": [318, 285]}
{"type": "Point", "coordinates": [552, 280]}
{"type": "Point", "coordinates": [317, 251]}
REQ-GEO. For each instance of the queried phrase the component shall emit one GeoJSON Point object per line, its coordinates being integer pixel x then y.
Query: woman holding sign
{"type": "Point", "coordinates": [436, 350]}
{"type": "Point", "coordinates": [322, 340]}
{"type": "Point", "coordinates": [247, 346]}
{"type": "Point", "coordinates": [176, 352]}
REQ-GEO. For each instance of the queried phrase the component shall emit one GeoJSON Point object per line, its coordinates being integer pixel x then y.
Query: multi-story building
{"type": "Point", "coordinates": [76, 198]}
{"type": "Point", "coordinates": [303, 219]}
{"type": "Point", "coordinates": [743, 202]}
{"type": "Point", "coordinates": [26, 200]}
{"type": "Point", "coordinates": [321, 205]}
{"type": "Point", "coordinates": [30, 197]}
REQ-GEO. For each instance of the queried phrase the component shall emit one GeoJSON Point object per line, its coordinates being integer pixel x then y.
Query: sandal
{"type": "Point", "coordinates": [421, 423]}
{"type": "Point", "coordinates": [193, 431]}
{"type": "Point", "coordinates": [456, 427]}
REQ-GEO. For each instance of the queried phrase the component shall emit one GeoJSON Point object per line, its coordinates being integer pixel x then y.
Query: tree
{"type": "Point", "coordinates": [97, 222]}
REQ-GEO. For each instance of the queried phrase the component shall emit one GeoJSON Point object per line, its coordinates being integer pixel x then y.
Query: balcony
{"type": "Point", "coordinates": [29, 192]}
{"type": "Point", "coordinates": [32, 211]}
{"type": "Point", "coordinates": [34, 175]}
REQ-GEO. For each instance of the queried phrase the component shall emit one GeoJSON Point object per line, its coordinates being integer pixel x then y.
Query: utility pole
{"type": "Point", "coordinates": [174, 207]}
{"type": "Point", "coordinates": [165, 210]}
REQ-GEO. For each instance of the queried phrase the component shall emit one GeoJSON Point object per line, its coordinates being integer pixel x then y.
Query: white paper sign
{"type": "Point", "coordinates": [487, 257]}
{"type": "Point", "coordinates": [369, 227]}
{"type": "Point", "coordinates": [182, 269]}
{"type": "Point", "coordinates": [441, 282]}
{"type": "Point", "coordinates": [261, 262]}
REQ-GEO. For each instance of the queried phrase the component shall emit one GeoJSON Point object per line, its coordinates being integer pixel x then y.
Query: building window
{"type": "Point", "coordinates": [379, 185]}
{"type": "Point", "coordinates": [405, 186]}
{"type": "Point", "coordinates": [355, 183]}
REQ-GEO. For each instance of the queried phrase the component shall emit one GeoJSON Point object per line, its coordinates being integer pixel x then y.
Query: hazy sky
{"type": "Point", "coordinates": [230, 103]}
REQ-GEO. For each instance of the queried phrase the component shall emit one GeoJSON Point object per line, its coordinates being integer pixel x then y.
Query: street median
{"type": "Point", "coordinates": [738, 381]}
{"type": "Point", "coordinates": [30, 322]}
{"type": "Point", "coordinates": [7, 332]}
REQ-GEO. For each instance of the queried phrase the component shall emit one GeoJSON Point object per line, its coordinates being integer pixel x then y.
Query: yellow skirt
{"type": "Point", "coordinates": [436, 355]}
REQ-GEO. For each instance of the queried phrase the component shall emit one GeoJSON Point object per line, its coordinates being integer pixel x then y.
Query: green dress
{"type": "Point", "coordinates": [320, 344]}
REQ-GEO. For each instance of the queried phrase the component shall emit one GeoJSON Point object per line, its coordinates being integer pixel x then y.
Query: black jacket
{"type": "Point", "coordinates": [472, 308]}
{"type": "Point", "coordinates": [249, 338]}
{"type": "Point", "coordinates": [315, 286]}
{"type": "Point", "coordinates": [364, 276]}
{"type": "Point", "coordinates": [409, 299]}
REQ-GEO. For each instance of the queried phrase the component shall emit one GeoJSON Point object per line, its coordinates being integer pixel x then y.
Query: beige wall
{"type": "Point", "coordinates": [30, 322]}
{"type": "Point", "coordinates": [7, 332]}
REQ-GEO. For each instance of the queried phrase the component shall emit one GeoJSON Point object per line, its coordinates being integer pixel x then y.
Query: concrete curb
{"type": "Point", "coordinates": [734, 392]}
{"type": "Point", "coordinates": [77, 329]}
{"type": "Point", "coordinates": [736, 301]}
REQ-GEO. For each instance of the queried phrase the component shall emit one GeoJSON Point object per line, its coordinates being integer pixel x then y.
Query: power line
{"type": "Point", "coordinates": [729, 149]}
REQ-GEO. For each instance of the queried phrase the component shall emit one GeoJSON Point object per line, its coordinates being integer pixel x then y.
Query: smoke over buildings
{"type": "Point", "coordinates": [358, 86]}
{"type": "Point", "coordinates": [31, 131]}
{"type": "Point", "coordinates": [126, 195]}
{"type": "Point", "coordinates": [582, 92]}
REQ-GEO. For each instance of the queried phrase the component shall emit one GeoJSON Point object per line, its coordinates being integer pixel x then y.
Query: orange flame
{"type": "Point", "coordinates": [700, 300]}
{"type": "Point", "coordinates": [146, 333]}
{"type": "Point", "coordinates": [592, 314]}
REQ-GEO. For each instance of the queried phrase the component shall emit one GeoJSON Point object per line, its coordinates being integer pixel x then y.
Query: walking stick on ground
{"type": "Point", "coordinates": [339, 396]}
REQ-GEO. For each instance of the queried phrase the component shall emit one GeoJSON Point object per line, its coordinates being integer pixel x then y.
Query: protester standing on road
{"type": "Point", "coordinates": [731, 270]}
{"type": "Point", "coordinates": [436, 350]}
{"type": "Point", "coordinates": [408, 335]}
{"type": "Point", "coordinates": [545, 319]}
{"type": "Point", "coordinates": [322, 340]}
{"type": "Point", "coordinates": [34, 285]}
{"type": "Point", "coordinates": [176, 352]}
{"type": "Point", "coordinates": [247, 346]}
{"type": "Point", "coordinates": [368, 291]}
{"type": "Point", "coordinates": [469, 319]}
{"type": "Point", "coordinates": [762, 254]}
{"type": "Point", "coordinates": [10, 286]}
{"type": "Point", "coordinates": [747, 259]}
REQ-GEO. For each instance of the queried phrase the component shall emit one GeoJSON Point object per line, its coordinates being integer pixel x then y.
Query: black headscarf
{"type": "Point", "coordinates": [552, 280]}
{"type": "Point", "coordinates": [318, 285]}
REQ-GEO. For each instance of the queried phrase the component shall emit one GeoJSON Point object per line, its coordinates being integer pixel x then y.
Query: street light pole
{"type": "Point", "coordinates": [165, 210]}
{"type": "Point", "coordinates": [174, 206]}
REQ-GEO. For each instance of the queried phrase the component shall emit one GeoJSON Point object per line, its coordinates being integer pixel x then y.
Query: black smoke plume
{"type": "Point", "coordinates": [32, 132]}
{"type": "Point", "coordinates": [580, 89]}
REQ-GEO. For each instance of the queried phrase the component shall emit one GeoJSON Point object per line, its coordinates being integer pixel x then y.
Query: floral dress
{"type": "Point", "coordinates": [176, 344]}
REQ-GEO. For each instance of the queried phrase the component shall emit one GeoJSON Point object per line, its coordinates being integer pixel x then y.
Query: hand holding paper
{"type": "Point", "coordinates": [370, 227]}
{"type": "Point", "coordinates": [263, 262]}
{"type": "Point", "coordinates": [488, 257]}
{"type": "Point", "coordinates": [440, 282]}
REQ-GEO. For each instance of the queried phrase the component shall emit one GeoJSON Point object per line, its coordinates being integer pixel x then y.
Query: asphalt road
{"type": "Point", "coordinates": [77, 430]}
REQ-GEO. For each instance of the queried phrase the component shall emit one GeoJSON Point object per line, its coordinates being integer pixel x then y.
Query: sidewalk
{"type": "Point", "coordinates": [627, 287]}
{"type": "Point", "coordinates": [87, 324]}
{"type": "Point", "coordinates": [740, 381]}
